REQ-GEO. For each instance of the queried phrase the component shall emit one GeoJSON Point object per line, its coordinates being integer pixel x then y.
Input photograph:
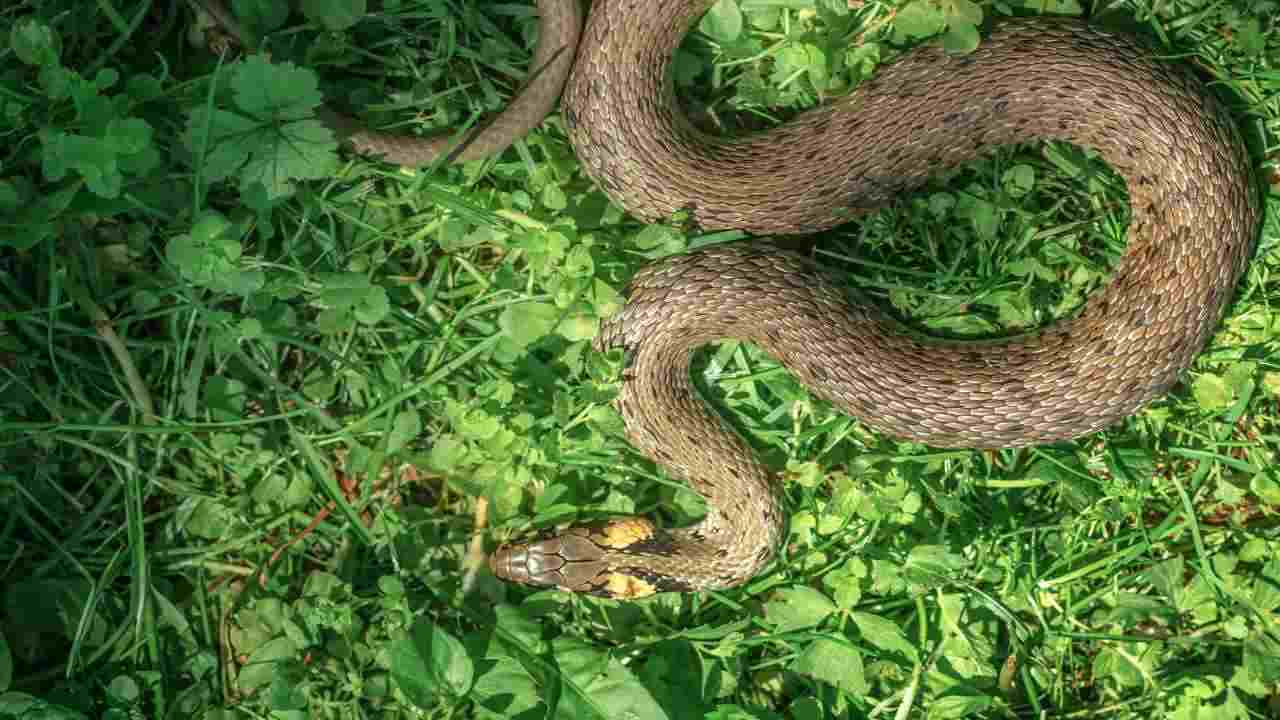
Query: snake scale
{"type": "Point", "coordinates": [1194, 216]}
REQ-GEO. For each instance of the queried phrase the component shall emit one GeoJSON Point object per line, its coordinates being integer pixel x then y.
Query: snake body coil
{"type": "Point", "coordinates": [1194, 217]}
{"type": "Point", "coordinates": [1195, 214]}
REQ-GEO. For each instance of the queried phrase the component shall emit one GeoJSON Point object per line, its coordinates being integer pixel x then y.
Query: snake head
{"type": "Point", "coordinates": [589, 559]}
{"type": "Point", "coordinates": [571, 561]}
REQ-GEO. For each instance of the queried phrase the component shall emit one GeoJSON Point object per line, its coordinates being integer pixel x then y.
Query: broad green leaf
{"type": "Point", "coordinates": [1211, 392]}
{"type": "Point", "coordinates": [835, 663]}
{"type": "Point", "coordinates": [506, 690]}
{"type": "Point", "coordinates": [261, 15]}
{"type": "Point", "coordinates": [446, 453]}
{"type": "Point", "coordinates": [553, 197]}
{"type": "Point", "coordinates": [577, 327]}
{"type": "Point", "coordinates": [273, 91]}
{"type": "Point", "coordinates": [1266, 487]}
{"type": "Point", "coordinates": [846, 582]}
{"type": "Point", "coordinates": [335, 15]}
{"type": "Point", "coordinates": [407, 426]}
{"type": "Point", "coordinates": [19, 705]}
{"type": "Point", "coordinates": [919, 19]}
{"type": "Point", "coordinates": [797, 607]}
{"type": "Point", "coordinates": [957, 706]}
{"type": "Point", "coordinates": [961, 38]}
{"type": "Point", "coordinates": [932, 562]}
{"type": "Point", "coordinates": [91, 157]}
{"type": "Point", "coordinates": [884, 634]}
{"type": "Point", "coordinates": [428, 662]}
{"type": "Point", "coordinates": [528, 323]}
{"type": "Point", "coordinates": [1262, 656]}
{"type": "Point", "coordinates": [208, 519]}
{"type": "Point", "coordinates": [1019, 180]}
{"type": "Point", "coordinates": [265, 663]}
{"type": "Point", "coordinates": [597, 685]}
{"type": "Point", "coordinates": [34, 42]}
{"type": "Point", "coordinates": [124, 689]}
{"type": "Point", "coordinates": [963, 11]}
{"type": "Point", "coordinates": [723, 21]}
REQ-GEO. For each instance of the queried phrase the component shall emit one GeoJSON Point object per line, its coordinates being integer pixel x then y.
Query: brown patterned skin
{"type": "Point", "coordinates": [1195, 216]}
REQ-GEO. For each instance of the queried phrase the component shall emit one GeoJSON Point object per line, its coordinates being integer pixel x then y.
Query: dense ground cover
{"type": "Point", "coordinates": [264, 405]}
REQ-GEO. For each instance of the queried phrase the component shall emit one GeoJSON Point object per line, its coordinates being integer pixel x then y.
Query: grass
{"type": "Point", "coordinates": [265, 405]}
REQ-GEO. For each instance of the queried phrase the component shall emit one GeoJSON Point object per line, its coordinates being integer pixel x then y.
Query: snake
{"type": "Point", "coordinates": [1195, 213]}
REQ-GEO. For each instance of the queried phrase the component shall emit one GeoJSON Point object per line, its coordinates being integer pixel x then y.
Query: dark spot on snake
{"type": "Point", "coordinates": [597, 589]}
{"type": "Point", "coordinates": [664, 583]}
{"type": "Point", "coordinates": [1000, 106]}
{"type": "Point", "coordinates": [570, 118]}
{"type": "Point", "coordinates": [722, 553]}
{"type": "Point", "coordinates": [818, 372]}
{"type": "Point", "coordinates": [1138, 318]}
{"type": "Point", "coordinates": [763, 553]}
{"type": "Point", "coordinates": [659, 544]}
{"type": "Point", "coordinates": [964, 60]}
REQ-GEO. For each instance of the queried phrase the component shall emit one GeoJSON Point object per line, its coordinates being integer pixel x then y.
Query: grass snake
{"type": "Point", "coordinates": [1194, 216]}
